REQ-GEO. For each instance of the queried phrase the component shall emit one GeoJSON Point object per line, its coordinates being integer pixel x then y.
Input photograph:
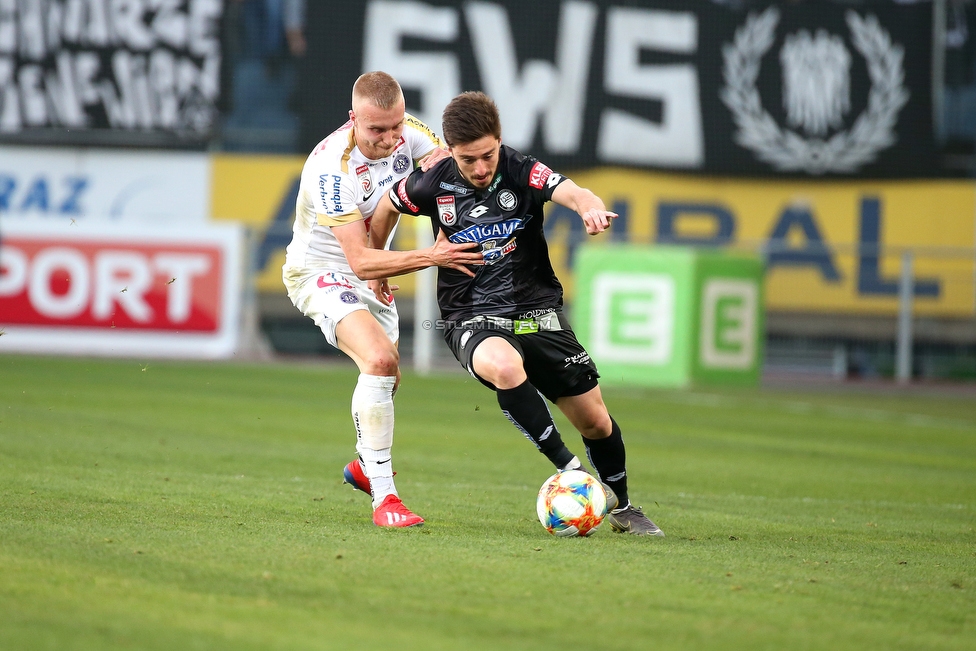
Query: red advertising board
{"type": "Point", "coordinates": [106, 289]}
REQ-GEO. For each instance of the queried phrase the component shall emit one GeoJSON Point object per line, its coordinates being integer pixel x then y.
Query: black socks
{"type": "Point", "coordinates": [609, 458]}
{"type": "Point", "coordinates": [527, 410]}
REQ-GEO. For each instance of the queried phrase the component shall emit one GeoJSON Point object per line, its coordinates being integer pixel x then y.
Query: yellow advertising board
{"type": "Point", "coordinates": [831, 246]}
{"type": "Point", "coordinates": [259, 191]}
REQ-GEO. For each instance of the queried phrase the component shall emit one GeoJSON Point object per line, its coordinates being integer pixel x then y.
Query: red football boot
{"type": "Point", "coordinates": [392, 513]}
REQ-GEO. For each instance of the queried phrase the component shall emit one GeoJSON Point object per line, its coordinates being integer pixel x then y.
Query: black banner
{"type": "Point", "coordinates": [74, 67]}
{"type": "Point", "coordinates": [811, 89]}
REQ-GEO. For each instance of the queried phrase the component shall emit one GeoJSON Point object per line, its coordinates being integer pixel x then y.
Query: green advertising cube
{"type": "Point", "coordinates": [670, 316]}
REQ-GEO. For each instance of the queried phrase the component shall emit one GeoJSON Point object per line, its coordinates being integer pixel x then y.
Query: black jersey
{"type": "Point", "coordinates": [505, 219]}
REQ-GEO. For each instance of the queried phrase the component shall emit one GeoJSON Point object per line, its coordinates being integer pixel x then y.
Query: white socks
{"type": "Point", "coordinates": [372, 413]}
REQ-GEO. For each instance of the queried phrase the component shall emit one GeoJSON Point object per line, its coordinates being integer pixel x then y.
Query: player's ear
{"type": "Point", "coordinates": [352, 115]}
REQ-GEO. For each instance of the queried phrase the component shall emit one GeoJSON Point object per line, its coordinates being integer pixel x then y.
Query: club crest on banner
{"type": "Point", "coordinates": [816, 95]}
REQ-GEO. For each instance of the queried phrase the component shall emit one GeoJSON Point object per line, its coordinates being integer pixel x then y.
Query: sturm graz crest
{"type": "Point", "coordinates": [816, 95]}
{"type": "Point", "coordinates": [816, 81]}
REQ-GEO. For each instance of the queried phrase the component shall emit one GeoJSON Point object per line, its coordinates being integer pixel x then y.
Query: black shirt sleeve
{"type": "Point", "coordinates": [536, 177]}
{"type": "Point", "coordinates": [406, 195]}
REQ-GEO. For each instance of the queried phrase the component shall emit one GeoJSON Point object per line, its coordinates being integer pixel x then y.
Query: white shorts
{"type": "Point", "coordinates": [329, 296]}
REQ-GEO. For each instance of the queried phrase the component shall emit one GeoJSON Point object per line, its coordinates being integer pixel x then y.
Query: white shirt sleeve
{"type": "Point", "coordinates": [335, 197]}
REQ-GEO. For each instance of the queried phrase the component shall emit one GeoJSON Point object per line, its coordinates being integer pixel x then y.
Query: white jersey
{"type": "Point", "coordinates": [339, 186]}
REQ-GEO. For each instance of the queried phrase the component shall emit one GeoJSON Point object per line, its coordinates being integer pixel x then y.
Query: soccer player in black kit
{"type": "Point", "coordinates": [506, 324]}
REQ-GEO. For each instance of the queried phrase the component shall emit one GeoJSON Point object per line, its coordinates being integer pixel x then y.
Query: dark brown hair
{"type": "Point", "coordinates": [469, 117]}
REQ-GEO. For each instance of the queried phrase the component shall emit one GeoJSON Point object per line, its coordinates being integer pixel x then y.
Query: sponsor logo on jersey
{"type": "Point", "coordinates": [401, 191]}
{"type": "Point", "coordinates": [446, 210]}
{"type": "Point", "coordinates": [497, 240]}
{"type": "Point", "coordinates": [349, 297]}
{"type": "Point", "coordinates": [327, 193]}
{"type": "Point", "coordinates": [578, 358]}
{"type": "Point", "coordinates": [401, 163]}
{"type": "Point", "coordinates": [477, 211]}
{"type": "Point", "coordinates": [493, 253]}
{"type": "Point", "coordinates": [494, 183]}
{"type": "Point", "coordinates": [332, 280]}
{"type": "Point", "coordinates": [507, 200]}
{"type": "Point", "coordinates": [411, 121]}
{"type": "Point", "coordinates": [538, 175]}
{"type": "Point", "coordinates": [366, 180]}
{"type": "Point", "coordinates": [484, 232]}
{"type": "Point", "coordinates": [535, 314]}
{"type": "Point", "coordinates": [456, 189]}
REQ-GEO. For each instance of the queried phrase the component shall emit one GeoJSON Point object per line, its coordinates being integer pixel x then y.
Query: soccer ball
{"type": "Point", "coordinates": [571, 503]}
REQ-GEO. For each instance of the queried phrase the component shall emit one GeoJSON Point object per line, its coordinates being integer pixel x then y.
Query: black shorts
{"type": "Point", "coordinates": [554, 361]}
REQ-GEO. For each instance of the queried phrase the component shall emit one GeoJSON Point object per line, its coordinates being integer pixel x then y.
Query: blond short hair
{"type": "Point", "coordinates": [377, 88]}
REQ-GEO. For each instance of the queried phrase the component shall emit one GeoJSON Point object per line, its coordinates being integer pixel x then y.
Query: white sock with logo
{"type": "Point", "coordinates": [372, 413]}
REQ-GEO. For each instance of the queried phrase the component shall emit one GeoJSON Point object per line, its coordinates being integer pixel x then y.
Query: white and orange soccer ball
{"type": "Point", "coordinates": [571, 503]}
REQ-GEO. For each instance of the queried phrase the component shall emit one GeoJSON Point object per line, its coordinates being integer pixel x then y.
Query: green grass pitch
{"type": "Point", "coordinates": [179, 506]}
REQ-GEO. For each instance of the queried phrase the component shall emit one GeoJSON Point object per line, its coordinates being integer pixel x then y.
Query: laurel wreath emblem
{"type": "Point", "coordinates": [786, 150]}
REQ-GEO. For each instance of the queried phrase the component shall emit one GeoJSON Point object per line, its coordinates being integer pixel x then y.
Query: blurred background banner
{"type": "Point", "coordinates": [100, 71]}
{"type": "Point", "coordinates": [833, 139]}
{"type": "Point", "coordinates": [829, 247]}
{"type": "Point", "coordinates": [62, 184]}
{"type": "Point", "coordinates": [813, 89]}
{"type": "Point", "coordinates": [121, 289]}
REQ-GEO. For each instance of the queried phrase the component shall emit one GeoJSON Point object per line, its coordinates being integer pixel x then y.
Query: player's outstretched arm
{"type": "Point", "coordinates": [385, 218]}
{"type": "Point", "coordinates": [596, 217]}
{"type": "Point", "coordinates": [370, 263]}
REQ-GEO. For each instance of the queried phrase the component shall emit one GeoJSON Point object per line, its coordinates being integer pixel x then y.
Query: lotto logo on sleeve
{"type": "Point", "coordinates": [446, 210]}
{"type": "Point", "coordinates": [538, 175]}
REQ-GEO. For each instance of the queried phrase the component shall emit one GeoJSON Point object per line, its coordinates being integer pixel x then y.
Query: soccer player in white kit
{"type": "Point", "coordinates": [328, 266]}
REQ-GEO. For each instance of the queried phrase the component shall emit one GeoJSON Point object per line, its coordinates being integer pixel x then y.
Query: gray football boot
{"type": "Point", "coordinates": [631, 519]}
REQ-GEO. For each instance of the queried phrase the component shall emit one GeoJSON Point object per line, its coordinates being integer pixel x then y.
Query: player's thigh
{"type": "Point", "coordinates": [498, 361]}
{"type": "Point", "coordinates": [329, 297]}
{"type": "Point", "coordinates": [360, 336]}
{"type": "Point", "coordinates": [464, 342]}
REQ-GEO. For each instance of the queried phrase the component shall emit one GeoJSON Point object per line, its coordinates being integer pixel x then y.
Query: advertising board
{"type": "Point", "coordinates": [81, 184]}
{"type": "Point", "coordinates": [120, 290]}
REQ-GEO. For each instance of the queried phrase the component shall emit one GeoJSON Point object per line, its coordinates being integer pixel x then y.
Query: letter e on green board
{"type": "Point", "coordinates": [728, 323]}
{"type": "Point", "coordinates": [632, 319]}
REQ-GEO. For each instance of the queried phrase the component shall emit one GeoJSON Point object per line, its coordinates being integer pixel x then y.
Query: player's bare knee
{"type": "Point", "coordinates": [598, 427]}
{"type": "Point", "coordinates": [506, 374]}
{"type": "Point", "coordinates": [382, 362]}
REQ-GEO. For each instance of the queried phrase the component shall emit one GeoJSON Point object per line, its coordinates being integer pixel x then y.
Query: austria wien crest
{"type": "Point", "coordinates": [816, 96]}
